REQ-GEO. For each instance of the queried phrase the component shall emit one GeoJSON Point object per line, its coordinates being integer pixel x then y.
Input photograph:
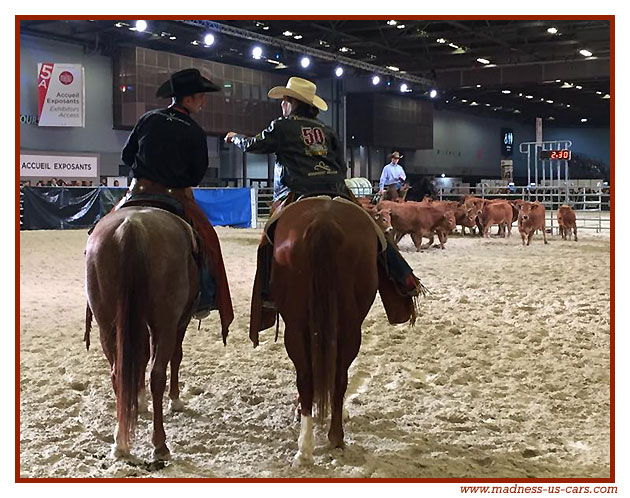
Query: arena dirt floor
{"type": "Point", "coordinates": [505, 374]}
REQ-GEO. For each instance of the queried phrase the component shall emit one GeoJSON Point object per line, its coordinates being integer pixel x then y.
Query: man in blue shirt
{"type": "Point", "coordinates": [393, 174]}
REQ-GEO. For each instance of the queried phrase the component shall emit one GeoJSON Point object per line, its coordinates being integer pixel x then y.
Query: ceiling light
{"type": "Point", "coordinates": [393, 68]}
{"type": "Point", "coordinates": [141, 25]}
{"type": "Point", "coordinates": [194, 42]}
{"type": "Point", "coordinates": [453, 45]}
{"type": "Point", "coordinates": [552, 30]}
{"type": "Point", "coordinates": [520, 94]}
{"type": "Point", "coordinates": [271, 61]}
{"type": "Point", "coordinates": [392, 23]}
{"type": "Point", "coordinates": [403, 87]}
{"type": "Point", "coordinates": [583, 120]}
{"type": "Point", "coordinates": [549, 101]}
{"type": "Point", "coordinates": [208, 40]}
{"type": "Point", "coordinates": [297, 37]}
{"type": "Point", "coordinates": [586, 53]}
{"type": "Point", "coordinates": [400, 26]}
{"type": "Point", "coordinates": [483, 61]}
{"type": "Point", "coordinates": [473, 103]}
{"type": "Point", "coordinates": [443, 175]}
{"type": "Point", "coordinates": [376, 80]}
{"type": "Point", "coordinates": [344, 49]}
{"type": "Point", "coordinates": [287, 33]}
{"type": "Point", "coordinates": [516, 111]}
{"type": "Point", "coordinates": [487, 105]}
{"type": "Point", "coordinates": [578, 87]}
{"type": "Point", "coordinates": [529, 96]}
{"type": "Point", "coordinates": [464, 101]}
{"type": "Point", "coordinates": [478, 86]}
{"type": "Point", "coordinates": [506, 91]}
{"type": "Point", "coordinates": [433, 93]}
{"type": "Point", "coordinates": [567, 85]}
{"type": "Point", "coordinates": [607, 96]}
{"type": "Point", "coordinates": [119, 25]}
{"type": "Point", "coordinates": [551, 118]}
{"type": "Point", "coordinates": [339, 72]}
{"type": "Point", "coordinates": [558, 81]}
{"type": "Point", "coordinates": [257, 52]}
{"type": "Point", "coordinates": [598, 93]}
{"type": "Point", "coordinates": [568, 105]}
{"type": "Point", "coordinates": [305, 62]}
{"type": "Point", "coordinates": [441, 40]}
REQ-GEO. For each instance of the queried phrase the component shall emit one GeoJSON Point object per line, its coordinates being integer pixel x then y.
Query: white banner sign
{"type": "Point", "coordinates": [61, 91]}
{"type": "Point", "coordinates": [58, 166]}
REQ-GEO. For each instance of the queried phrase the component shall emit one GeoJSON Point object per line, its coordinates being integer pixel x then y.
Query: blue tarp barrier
{"type": "Point", "coordinates": [226, 207]}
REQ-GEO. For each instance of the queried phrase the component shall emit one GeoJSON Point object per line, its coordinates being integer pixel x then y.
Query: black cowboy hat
{"type": "Point", "coordinates": [186, 82]}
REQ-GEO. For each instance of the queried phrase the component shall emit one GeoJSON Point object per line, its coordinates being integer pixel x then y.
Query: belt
{"type": "Point", "coordinates": [145, 186]}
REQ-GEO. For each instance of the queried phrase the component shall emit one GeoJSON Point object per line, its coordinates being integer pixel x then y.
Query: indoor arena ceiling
{"type": "Point", "coordinates": [472, 64]}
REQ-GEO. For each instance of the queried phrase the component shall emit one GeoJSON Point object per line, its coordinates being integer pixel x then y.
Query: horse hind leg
{"type": "Point", "coordinates": [163, 352]}
{"type": "Point", "coordinates": [175, 403]}
{"type": "Point", "coordinates": [306, 439]}
{"type": "Point", "coordinates": [335, 434]}
{"type": "Point", "coordinates": [143, 405]}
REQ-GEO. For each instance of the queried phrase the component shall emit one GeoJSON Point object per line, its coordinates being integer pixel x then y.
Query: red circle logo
{"type": "Point", "coordinates": [66, 77]}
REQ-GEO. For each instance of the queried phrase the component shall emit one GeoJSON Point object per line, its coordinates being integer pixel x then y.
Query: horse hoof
{"type": "Point", "coordinates": [301, 460]}
{"type": "Point", "coordinates": [176, 405]}
{"type": "Point", "coordinates": [161, 454]}
{"type": "Point", "coordinates": [119, 453]}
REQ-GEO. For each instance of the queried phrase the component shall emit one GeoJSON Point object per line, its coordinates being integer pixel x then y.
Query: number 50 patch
{"type": "Point", "coordinates": [312, 136]}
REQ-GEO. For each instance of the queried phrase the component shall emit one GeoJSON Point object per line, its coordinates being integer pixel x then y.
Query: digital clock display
{"type": "Point", "coordinates": [562, 155]}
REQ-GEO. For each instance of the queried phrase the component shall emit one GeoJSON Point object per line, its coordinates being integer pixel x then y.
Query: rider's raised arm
{"type": "Point", "coordinates": [266, 142]}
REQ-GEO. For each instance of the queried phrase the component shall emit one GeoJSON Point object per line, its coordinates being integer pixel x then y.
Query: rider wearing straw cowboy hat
{"type": "Point", "coordinates": [168, 154]}
{"type": "Point", "coordinates": [309, 153]}
{"type": "Point", "coordinates": [309, 159]}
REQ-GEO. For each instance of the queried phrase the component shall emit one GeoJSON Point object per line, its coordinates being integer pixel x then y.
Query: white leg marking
{"type": "Point", "coordinates": [118, 449]}
{"type": "Point", "coordinates": [306, 442]}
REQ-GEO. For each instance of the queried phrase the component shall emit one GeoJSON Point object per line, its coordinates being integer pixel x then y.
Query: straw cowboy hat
{"type": "Point", "coordinates": [186, 82]}
{"type": "Point", "coordinates": [299, 89]}
{"type": "Point", "coordinates": [396, 155]}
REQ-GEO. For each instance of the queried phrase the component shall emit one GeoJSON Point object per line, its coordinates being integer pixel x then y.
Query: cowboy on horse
{"type": "Point", "coordinates": [168, 154]}
{"type": "Point", "coordinates": [310, 161]}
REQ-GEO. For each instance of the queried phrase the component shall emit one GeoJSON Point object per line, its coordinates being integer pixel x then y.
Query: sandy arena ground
{"type": "Point", "coordinates": [506, 373]}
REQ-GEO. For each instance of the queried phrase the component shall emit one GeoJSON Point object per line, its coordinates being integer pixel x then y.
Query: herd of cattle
{"type": "Point", "coordinates": [429, 218]}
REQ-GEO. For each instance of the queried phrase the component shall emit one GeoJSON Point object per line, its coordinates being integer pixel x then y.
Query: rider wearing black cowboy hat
{"type": "Point", "coordinates": [168, 153]}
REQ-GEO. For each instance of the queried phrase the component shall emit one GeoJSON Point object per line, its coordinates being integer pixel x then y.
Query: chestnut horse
{"type": "Point", "coordinates": [142, 283]}
{"type": "Point", "coordinates": [324, 280]}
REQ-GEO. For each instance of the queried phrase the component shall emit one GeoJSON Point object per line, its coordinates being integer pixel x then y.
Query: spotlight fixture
{"type": "Point", "coordinates": [305, 62]}
{"type": "Point", "coordinates": [403, 87]}
{"type": "Point", "coordinates": [583, 120]}
{"type": "Point", "coordinates": [392, 23]}
{"type": "Point", "coordinates": [483, 61]}
{"type": "Point", "coordinates": [257, 52]}
{"type": "Point", "coordinates": [339, 72]}
{"type": "Point", "coordinates": [287, 33]}
{"type": "Point", "coordinates": [441, 40]}
{"type": "Point", "coordinates": [586, 53]}
{"type": "Point", "coordinates": [376, 80]}
{"type": "Point", "coordinates": [506, 91]}
{"type": "Point", "coordinates": [552, 30]}
{"type": "Point", "coordinates": [208, 39]}
{"type": "Point", "coordinates": [433, 93]}
{"type": "Point", "coordinates": [141, 25]}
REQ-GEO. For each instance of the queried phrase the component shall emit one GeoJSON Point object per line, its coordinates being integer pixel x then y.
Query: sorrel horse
{"type": "Point", "coordinates": [142, 283]}
{"type": "Point", "coordinates": [324, 280]}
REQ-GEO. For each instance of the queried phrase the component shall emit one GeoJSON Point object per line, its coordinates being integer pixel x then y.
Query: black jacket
{"type": "Point", "coordinates": [168, 147]}
{"type": "Point", "coordinates": [309, 156]}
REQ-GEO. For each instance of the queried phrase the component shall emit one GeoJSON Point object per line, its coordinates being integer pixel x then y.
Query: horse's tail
{"type": "Point", "coordinates": [130, 324]}
{"type": "Point", "coordinates": [323, 237]}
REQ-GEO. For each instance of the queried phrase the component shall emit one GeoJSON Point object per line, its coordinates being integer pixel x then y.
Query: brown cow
{"type": "Point", "coordinates": [497, 213]}
{"type": "Point", "coordinates": [531, 217]}
{"type": "Point", "coordinates": [566, 221]}
{"type": "Point", "coordinates": [419, 220]}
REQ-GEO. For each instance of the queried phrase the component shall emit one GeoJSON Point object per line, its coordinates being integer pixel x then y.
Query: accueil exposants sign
{"type": "Point", "coordinates": [61, 92]}
{"type": "Point", "coordinates": [48, 166]}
